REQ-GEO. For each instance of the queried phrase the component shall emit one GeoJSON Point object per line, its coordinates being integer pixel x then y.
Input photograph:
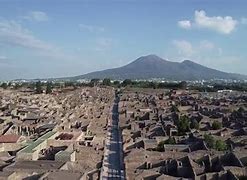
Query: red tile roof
{"type": "Point", "coordinates": [9, 138]}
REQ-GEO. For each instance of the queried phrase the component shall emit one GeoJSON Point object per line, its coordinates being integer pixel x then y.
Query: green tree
{"type": "Point", "coordinates": [160, 146]}
{"type": "Point", "coordinates": [183, 125]}
{"type": "Point", "coordinates": [220, 145]}
{"type": "Point", "coordinates": [38, 87]}
{"type": "Point", "coordinates": [4, 85]}
{"type": "Point", "coordinates": [116, 82]}
{"type": "Point", "coordinates": [170, 140]}
{"type": "Point", "coordinates": [17, 86]}
{"type": "Point", "coordinates": [183, 85]}
{"type": "Point", "coordinates": [106, 82]}
{"type": "Point", "coordinates": [152, 85]}
{"type": "Point", "coordinates": [216, 125]}
{"type": "Point", "coordinates": [68, 84]}
{"type": "Point", "coordinates": [210, 141]}
{"type": "Point", "coordinates": [126, 82]}
{"type": "Point", "coordinates": [94, 82]}
{"type": "Point", "coordinates": [174, 108]}
{"type": "Point", "coordinates": [48, 88]}
{"type": "Point", "coordinates": [194, 124]}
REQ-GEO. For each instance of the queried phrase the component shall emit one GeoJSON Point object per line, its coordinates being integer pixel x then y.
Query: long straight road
{"type": "Point", "coordinates": [113, 166]}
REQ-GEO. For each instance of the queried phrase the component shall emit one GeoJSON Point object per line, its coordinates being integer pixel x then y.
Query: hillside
{"type": "Point", "coordinates": [152, 66]}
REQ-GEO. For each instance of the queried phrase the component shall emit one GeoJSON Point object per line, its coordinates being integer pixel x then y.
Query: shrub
{"type": "Point", "coordinates": [216, 125]}
{"type": "Point", "coordinates": [171, 140]}
{"type": "Point", "coordinates": [160, 146]}
{"type": "Point", "coordinates": [220, 145]}
{"type": "Point", "coordinates": [194, 124]}
{"type": "Point", "coordinates": [210, 141]}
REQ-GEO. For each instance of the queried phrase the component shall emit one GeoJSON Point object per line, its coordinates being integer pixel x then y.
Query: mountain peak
{"type": "Point", "coordinates": [146, 62]}
{"type": "Point", "coordinates": [152, 58]}
{"type": "Point", "coordinates": [152, 66]}
{"type": "Point", "coordinates": [188, 62]}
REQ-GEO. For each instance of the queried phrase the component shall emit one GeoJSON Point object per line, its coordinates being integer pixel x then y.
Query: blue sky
{"type": "Point", "coordinates": [57, 38]}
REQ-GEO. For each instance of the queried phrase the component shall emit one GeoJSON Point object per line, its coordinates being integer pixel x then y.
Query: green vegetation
{"type": "Point", "coordinates": [116, 83]}
{"type": "Point", "coordinates": [38, 88]}
{"type": "Point", "coordinates": [140, 84]}
{"type": "Point", "coordinates": [183, 125]}
{"type": "Point", "coordinates": [161, 144]}
{"type": "Point", "coordinates": [238, 86]}
{"type": "Point", "coordinates": [154, 85]}
{"type": "Point", "coordinates": [4, 85]}
{"type": "Point", "coordinates": [220, 145]}
{"type": "Point", "coordinates": [126, 82]}
{"type": "Point", "coordinates": [68, 84]}
{"type": "Point", "coordinates": [174, 108]}
{"type": "Point", "coordinates": [210, 141]}
{"type": "Point", "coordinates": [194, 124]}
{"type": "Point", "coordinates": [216, 125]}
{"type": "Point", "coordinates": [215, 144]}
{"type": "Point", "coordinates": [94, 82]}
{"type": "Point", "coordinates": [171, 140]}
{"type": "Point", "coordinates": [106, 82]}
{"type": "Point", "coordinates": [48, 88]}
{"type": "Point", "coordinates": [209, 87]}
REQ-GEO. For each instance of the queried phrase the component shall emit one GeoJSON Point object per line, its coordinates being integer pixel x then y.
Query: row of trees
{"type": "Point", "coordinates": [210, 141]}
{"type": "Point", "coordinates": [139, 84]}
{"type": "Point", "coordinates": [39, 88]}
{"type": "Point", "coordinates": [96, 82]}
{"type": "Point", "coordinates": [216, 87]}
{"type": "Point", "coordinates": [184, 124]}
{"type": "Point", "coordinates": [173, 85]}
{"type": "Point", "coordinates": [169, 85]}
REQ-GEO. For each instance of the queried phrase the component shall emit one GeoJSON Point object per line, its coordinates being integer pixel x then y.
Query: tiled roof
{"type": "Point", "coordinates": [9, 138]}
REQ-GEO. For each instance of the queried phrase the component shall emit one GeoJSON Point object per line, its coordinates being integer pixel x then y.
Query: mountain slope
{"type": "Point", "coordinates": [152, 66]}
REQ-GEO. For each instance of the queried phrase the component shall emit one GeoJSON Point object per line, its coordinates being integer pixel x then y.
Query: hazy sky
{"type": "Point", "coordinates": [56, 38]}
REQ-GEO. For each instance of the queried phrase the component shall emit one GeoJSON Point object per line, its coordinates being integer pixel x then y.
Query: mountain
{"type": "Point", "coordinates": [152, 66]}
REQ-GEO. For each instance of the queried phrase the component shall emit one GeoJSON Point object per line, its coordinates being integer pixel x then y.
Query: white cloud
{"type": "Point", "coordinates": [223, 25]}
{"type": "Point", "coordinates": [91, 28]}
{"type": "Point", "coordinates": [184, 47]}
{"type": "Point", "coordinates": [12, 34]}
{"type": "Point", "coordinates": [185, 24]}
{"type": "Point", "coordinates": [38, 16]}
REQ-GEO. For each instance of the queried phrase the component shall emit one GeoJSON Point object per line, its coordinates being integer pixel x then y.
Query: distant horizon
{"type": "Point", "coordinates": [37, 78]}
{"type": "Point", "coordinates": [60, 38]}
